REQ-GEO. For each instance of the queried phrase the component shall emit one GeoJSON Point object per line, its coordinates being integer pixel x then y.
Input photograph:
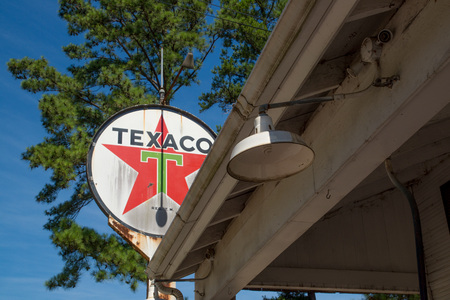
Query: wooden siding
{"type": "Point", "coordinates": [435, 230]}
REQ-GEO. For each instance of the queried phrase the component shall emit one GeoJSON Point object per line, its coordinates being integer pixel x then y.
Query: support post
{"type": "Point", "coordinates": [145, 246]}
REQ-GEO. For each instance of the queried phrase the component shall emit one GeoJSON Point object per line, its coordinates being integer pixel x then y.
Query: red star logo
{"type": "Point", "coordinates": [159, 170]}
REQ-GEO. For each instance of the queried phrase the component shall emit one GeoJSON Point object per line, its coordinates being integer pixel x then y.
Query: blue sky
{"type": "Point", "coordinates": [27, 258]}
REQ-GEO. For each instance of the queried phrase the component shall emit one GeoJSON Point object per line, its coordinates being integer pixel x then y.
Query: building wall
{"type": "Point", "coordinates": [435, 229]}
{"type": "Point", "coordinates": [364, 245]}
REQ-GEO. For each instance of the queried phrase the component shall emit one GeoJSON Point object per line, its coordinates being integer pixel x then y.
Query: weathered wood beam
{"type": "Point", "coordinates": [367, 8]}
{"type": "Point", "coordinates": [211, 235]}
{"type": "Point", "coordinates": [230, 209]}
{"type": "Point", "coordinates": [326, 77]}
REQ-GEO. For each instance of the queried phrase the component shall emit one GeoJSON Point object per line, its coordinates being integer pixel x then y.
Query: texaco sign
{"type": "Point", "coordinates": [142, 162]}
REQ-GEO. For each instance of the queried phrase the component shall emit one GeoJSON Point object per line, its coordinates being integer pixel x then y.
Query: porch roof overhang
{"type": "Point", "coordinates": [315, 50]}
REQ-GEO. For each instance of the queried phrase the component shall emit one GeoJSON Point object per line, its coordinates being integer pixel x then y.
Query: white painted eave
{"type": "Point", "coordinates": [294, 48]}
{"type": "Point", "coordinates": [351, 138]}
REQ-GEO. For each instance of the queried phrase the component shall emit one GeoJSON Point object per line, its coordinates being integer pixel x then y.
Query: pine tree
{"type": "Point", "coordinates": [116, 66]}
{"type": "Point", "coordinates": [242, 46]}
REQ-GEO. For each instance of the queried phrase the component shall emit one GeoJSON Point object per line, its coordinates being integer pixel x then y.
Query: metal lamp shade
{"type": "Point", "coordinates": [269, 155]}
{"type": "Point", "coordinates": [188, 62]}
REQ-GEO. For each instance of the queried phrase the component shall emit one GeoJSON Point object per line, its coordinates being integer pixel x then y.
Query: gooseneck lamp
{"type": "Point", "coordinates": [269, 154]}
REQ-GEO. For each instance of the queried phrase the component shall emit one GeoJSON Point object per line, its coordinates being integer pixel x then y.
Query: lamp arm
{"type": "Point", "coordinates": [379, 82]}
{"type": "Point", "coordinates": [263, 108]}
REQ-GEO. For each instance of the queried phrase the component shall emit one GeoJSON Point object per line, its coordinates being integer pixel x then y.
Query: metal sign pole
{"type": "Point", "coordinates": [145, 246]}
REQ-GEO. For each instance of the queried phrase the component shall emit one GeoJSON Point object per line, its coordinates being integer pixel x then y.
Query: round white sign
{"type": "Point", "coordinates": [142, 162]}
